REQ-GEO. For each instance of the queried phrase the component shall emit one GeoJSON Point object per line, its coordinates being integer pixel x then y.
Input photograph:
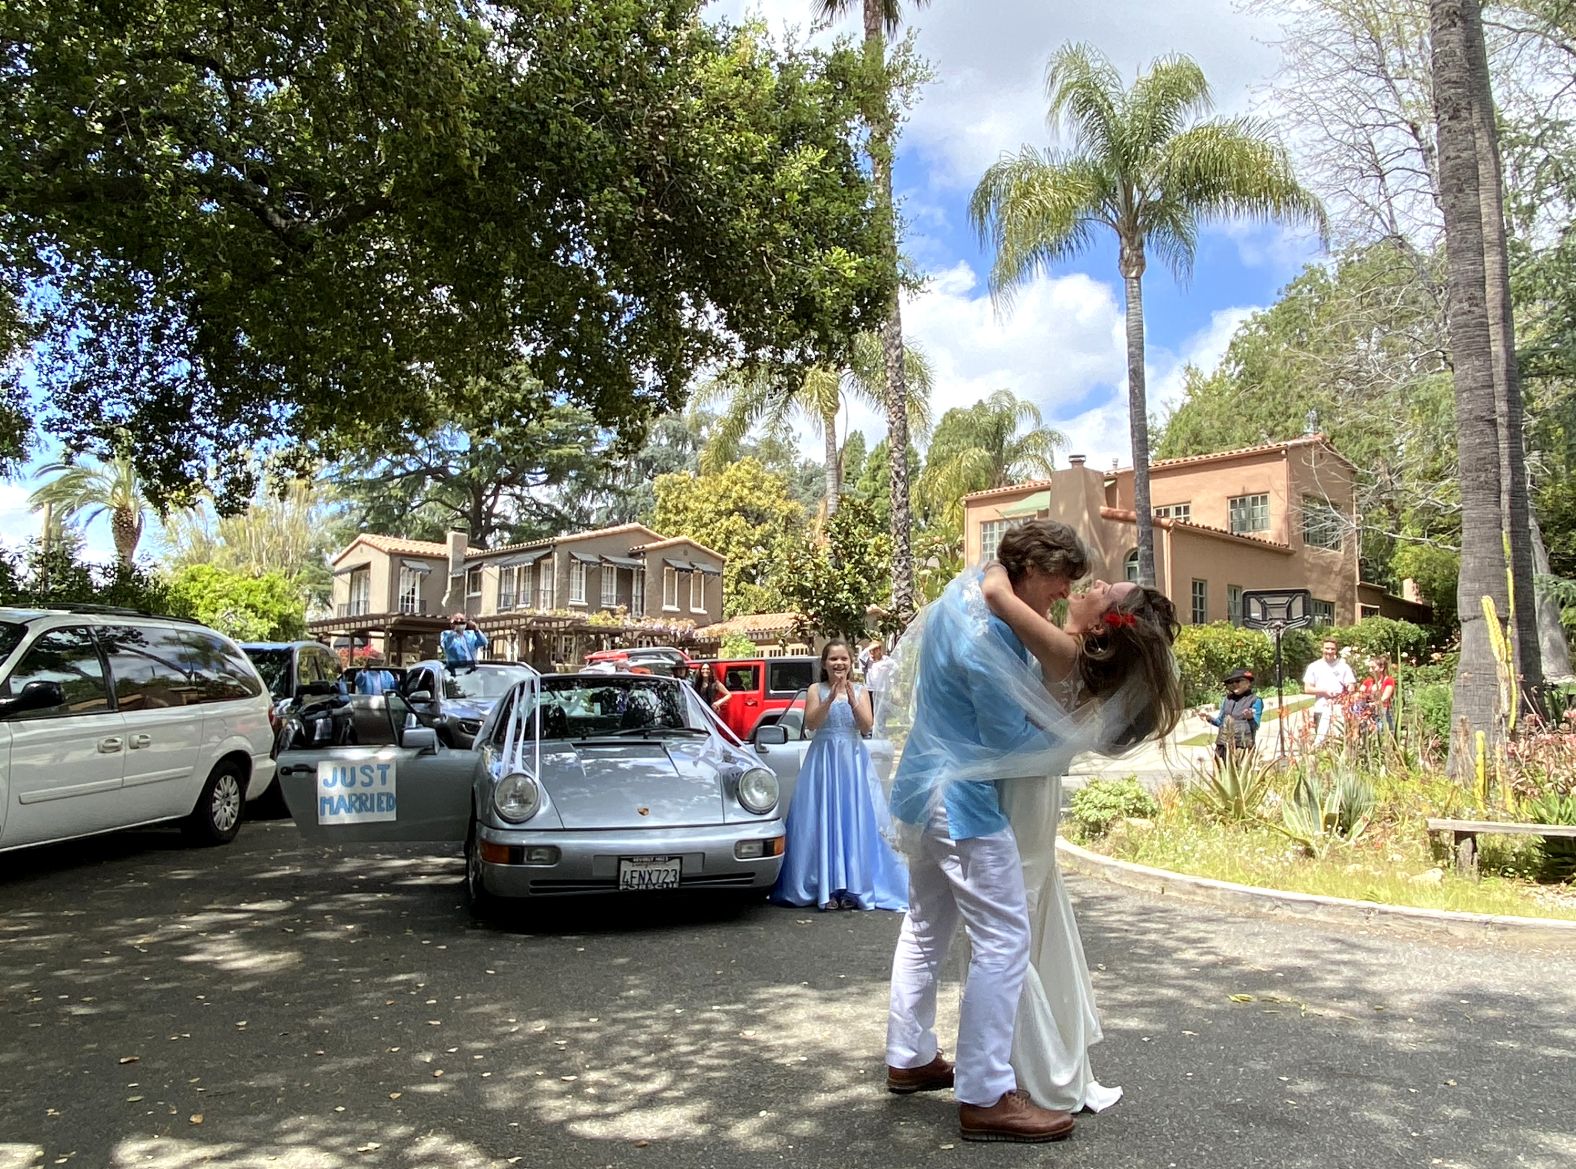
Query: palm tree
{"type": "Point", "coordinates": [989, 444]}
{"type": "Point", "coordinates": [89, 491]}
{"type": "Point", "coordinates": [1145, 167]}
{"type": "Point", "coordinates": [818, 399]}
{"type": "Point", "coordinates": [882, 18]}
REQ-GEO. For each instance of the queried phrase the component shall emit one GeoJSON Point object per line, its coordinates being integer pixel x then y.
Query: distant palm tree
{"type": "Point", "coordinates": [89, 490]}
{"type": "Point", "coordinates": [989, 444]}
{"type": "Point", "coordinates": [818, 399]}
{"type": "Point", "coordinates": [882, 19]}
{"type": "Point", "coordinates": [1143, 167]}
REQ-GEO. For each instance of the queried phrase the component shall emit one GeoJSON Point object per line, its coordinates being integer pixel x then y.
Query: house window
{"type": "Point", "coordinates": [544, 582]}
{"type": "Point", "coordinates": [637, 593]}
{"type": "Point", "coordinates": [1234, 604]}
{"type": "Point", "coordinates": [473, 582]}
{"type": "Point", "coordinates": [507, 578]}
{"type": "Point", "coordinates": [577, 582]}
{"type": "Point", "coordinates": [1366, 611]}
{"type": "Point", "coordinates": [1323, 612]}
{"type": "Point", "coordinates": [991, 532]}
{"type": "Point", "coordinates": [609, 576]}
{"type": "Point", "coordinates": [1200, 602]}
{"type": "Point", "coordinates": [1321, 523]}
{"type": "Point", "coordinates": [360, 592]}
{"type": "Point", "coordinates": [1174, 511]}
{"type": "Point", "coordinates": [1250, 513]}
{"type": "Point", "coordinates": [670, 588]}
{"type": "Point", "coordinates": [697, 592]}
{"type": "Point", "coordinates": [410, 590]}
{"type": "Point", "coordinates": [1130, 567]}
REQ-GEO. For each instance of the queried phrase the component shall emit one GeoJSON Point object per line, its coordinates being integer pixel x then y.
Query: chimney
{"type": "Point", "coordinates": [458, 543]}
{"type": "Point", "coordinates": [1077, 462]}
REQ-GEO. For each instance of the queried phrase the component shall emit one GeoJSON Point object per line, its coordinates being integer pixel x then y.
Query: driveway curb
{"type": "Point", "coordinates": [1281, 903]}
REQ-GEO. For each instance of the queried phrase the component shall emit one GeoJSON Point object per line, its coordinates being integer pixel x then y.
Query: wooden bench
{"type": "Point", "coordinates": [1465, 834]}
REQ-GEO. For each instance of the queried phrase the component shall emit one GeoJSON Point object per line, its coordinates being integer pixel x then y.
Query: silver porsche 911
{"type": "Point", "coordinates": [578, 783]}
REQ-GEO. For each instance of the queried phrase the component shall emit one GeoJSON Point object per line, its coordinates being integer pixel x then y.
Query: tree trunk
{"type": "Point", "coordinates": [1555, 651]}
{"type": "Point", "coordinates": [1476, 706]}
{"type": "Point", "coordinates": [1509, 408]}
{"type": "Point", "coordinates": [1132, 264]}
{"type": "Point", "coordinates": [126, 530]}
{"type": "Point", "coordinates": [883, 131]}
{"type": "Point", "coordinates": [834, 464]}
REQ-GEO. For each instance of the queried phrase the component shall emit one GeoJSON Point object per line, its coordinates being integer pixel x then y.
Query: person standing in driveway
{"type": "Point", "coordinates": [878, 677]}
{"type": "Point", "coordinates": [462, 644]}
{"type": "Point", "coordinates": [1328, 678]}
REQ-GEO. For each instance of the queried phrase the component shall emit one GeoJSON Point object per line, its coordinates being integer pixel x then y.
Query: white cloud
{"type": "Point", "coordinates": [19, 523]}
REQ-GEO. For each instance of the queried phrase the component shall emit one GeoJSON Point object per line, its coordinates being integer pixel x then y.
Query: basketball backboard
{"type": "Point", "coordinates": [1277, 608]}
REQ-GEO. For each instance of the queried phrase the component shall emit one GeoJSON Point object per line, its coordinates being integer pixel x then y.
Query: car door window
{"type": "Point", "coordinates": [746, 678]}
{"type": "Point", "coordinates": [220, 672]}
{"type": "Point", "coordinates": [149, 666]}
{"type": "Point", "coordinates": [784, 678]}
{"type": "Point", "coordinates": [65, 656]}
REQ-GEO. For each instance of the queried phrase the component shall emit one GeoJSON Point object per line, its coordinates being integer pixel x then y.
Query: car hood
{"type": "Point", "coordinates": [635, 785]}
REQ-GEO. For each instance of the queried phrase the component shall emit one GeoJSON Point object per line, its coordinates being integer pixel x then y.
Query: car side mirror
{"type": "Point", "coordinates": [772, 736]}
{"type": "Point", "coordinates": [38, 694]}
{"type": "Point", "coordinates": [418, 696]}
{"type": "Point", "coordinates": [423, 740]}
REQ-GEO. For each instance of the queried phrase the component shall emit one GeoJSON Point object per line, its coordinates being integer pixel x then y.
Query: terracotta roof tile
{"type": "Point", "coordinates": [1126, 515]}
{"type": "Point", "coordinates": [749, 623]}
{"type": "Point", "coordinates": [669, 542]}
{"type": "Point", "coordinates": [1031, 485]}
{"type": "Point", "coordinates": [397, 546]}
{"type": "Point", "coordinates": [1289, 444]}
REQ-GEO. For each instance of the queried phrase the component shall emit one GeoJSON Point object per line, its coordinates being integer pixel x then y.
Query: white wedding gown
{"type": "Point", "coordinates": [1057, 1020]}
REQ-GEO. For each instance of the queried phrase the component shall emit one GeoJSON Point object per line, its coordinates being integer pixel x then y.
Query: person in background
{"type": "Point", "coordinates": [1328, 678]}
{"type": "Point", "coordinates": [1241, 712]}
{"type": "Point", "coordinates": [462, 644]}
{"type": "Point", "coordinates": [878, 677]}
{"type": "Point", "coordinates": [1377, 691]}
{"type": "Point", "coordinates": [374, 678]}
{"type": "Point", "coordinates": [710, 687]}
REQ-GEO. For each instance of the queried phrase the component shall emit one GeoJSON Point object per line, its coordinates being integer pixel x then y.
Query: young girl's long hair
{"type": "Point", "coordinates": [1129, 658]}
{"type": "Point", "coordinates": [826, 651]}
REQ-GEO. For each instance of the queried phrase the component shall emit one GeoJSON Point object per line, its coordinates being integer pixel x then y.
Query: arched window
{"type": "Point", "coordinates": [1131, 566]}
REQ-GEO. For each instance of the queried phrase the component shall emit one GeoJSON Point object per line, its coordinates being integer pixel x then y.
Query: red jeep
{"type": "Point", "coordinates": [760, 689]}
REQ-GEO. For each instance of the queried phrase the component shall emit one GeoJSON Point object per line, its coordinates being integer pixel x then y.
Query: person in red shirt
{"type": "Point", "coordinates": [1376, 692]}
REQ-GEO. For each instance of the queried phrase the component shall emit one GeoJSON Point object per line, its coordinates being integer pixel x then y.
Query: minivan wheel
{"type": "Point", "coordinates": [483, 905]}
{"type": "Point", "coordinates": [216, 818]}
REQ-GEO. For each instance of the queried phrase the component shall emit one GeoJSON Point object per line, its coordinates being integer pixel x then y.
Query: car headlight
{"type": "Point", "coordinates": [517, 797]}
{"type": "Point", "coordinates": [758, 790]}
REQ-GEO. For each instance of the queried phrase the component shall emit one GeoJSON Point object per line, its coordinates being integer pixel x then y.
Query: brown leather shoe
{"type": "Point", "coordinates": [1013, 1118]}
{"type": "Point", "coordinates": [929, 1077]}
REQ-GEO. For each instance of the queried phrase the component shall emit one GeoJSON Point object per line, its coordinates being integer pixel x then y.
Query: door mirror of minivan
{"type": "Point", "coordinates": [38, 694]}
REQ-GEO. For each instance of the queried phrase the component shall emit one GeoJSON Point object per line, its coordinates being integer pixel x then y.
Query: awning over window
{"type": "Point", "coordinates": [525, 558]}
{"type": "Point", "coordinates": [415, 565]}
{"type": "Point", "coordinates": [585, 559]}
{"type": "Point", "coordinates": [1038, 502]}
{"type": "Point", "coordinates": [681, 565]}
{"type": "Point", "coordinates": [623, 562]}
{"type": "Point", "coordinates": [349, 568]}
{"type": "Point", "coordinates": [706, 569]}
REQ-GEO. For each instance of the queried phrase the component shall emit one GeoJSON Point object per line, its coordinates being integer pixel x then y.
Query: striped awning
{"type": "Point", "coordinates": [349, 568]}
{"type": "Point", "coordinates": [1028, 506]}
{"type": "Point", "coordinates": [525, 558]}
{"type": "Point", "coordinates": [623, 562]}
{"type": "Point", "coordinates": [681, 565]}
{"type": "Point", "coordinates": [706, 569]}
{"type": "Point", "coordinates": [585, 558]}
{"type": "Point", "coordinates": [416, 565]}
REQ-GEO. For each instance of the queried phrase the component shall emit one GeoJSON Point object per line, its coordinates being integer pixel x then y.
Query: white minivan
{"type": "Point", "coordinates": [112, 718]}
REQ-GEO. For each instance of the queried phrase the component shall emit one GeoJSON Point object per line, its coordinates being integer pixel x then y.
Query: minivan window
{"type": "Point", "coordinates": [790, 676]}
{"type": "Point", "coordinates": [10, 638]}
{"type": "Point", "coordinates": [69, 657]}
{"type": "Point", "coordinates": [274, 666]}
{"type": "Point", "coordinates": [150, 666]}
{"type": "Point", "coordinates": [220, 672]}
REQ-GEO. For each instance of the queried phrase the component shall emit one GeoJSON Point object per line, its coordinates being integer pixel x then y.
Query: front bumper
{"type": "Point", "coordinates": [588, 860]}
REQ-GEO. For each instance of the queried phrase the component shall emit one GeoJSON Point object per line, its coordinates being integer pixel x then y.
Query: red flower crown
{"type": "Point", "coordinates": [1115, 618]}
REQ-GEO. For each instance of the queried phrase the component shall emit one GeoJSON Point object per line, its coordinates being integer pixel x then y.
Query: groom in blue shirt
{"type": "Point", "coordinates": [967, 870]}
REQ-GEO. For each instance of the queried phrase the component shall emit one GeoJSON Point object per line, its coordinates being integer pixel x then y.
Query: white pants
{"type": "Point", "coordinates": [980, 882]}
{"type": "Point", "coordinates": [1323, 720]}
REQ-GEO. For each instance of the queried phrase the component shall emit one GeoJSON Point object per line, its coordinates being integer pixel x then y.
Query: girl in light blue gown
{"type": "Point", "coordinates": [836, 854]}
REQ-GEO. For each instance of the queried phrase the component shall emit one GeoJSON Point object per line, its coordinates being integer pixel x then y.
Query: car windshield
{"type": "Point", "coordinates": [575, 707]}
{"type": "Point", "coordinates": [484, 683]}
{"type": "Point", "coordinates": [274, 666]}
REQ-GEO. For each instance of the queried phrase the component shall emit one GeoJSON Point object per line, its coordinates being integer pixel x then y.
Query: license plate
{"type": "Point", "coordinates": [640, 874]}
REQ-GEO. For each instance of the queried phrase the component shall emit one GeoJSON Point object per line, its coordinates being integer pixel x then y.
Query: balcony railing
{"type": "Point", "coordinates": [357, 608]}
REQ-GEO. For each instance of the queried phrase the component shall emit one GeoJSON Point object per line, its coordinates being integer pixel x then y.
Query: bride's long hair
{"type": "Point", "coordinates": [1127, 661]}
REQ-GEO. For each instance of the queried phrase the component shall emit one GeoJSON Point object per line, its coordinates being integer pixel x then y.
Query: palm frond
{"type": "Point", "coordinates": [1036, 210]}
{"type": "Point", "coordinates": [891, 11]}
{"type": "Point", "coordinates": [1234, 168]}
{"type": "Point", "coordinates": [1084, 92]}
{"type": "Point", "coordinates": [1170, 233]}
{"type": "Point", "coordinates": [1160, 106]}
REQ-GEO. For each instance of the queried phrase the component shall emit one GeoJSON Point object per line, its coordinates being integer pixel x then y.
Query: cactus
{"type": "Point", "coordinates": [1504, 664]}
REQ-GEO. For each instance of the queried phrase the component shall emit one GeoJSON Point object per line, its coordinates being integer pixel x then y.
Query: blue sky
{"type": "Point", "coordinates": [1062, 345]}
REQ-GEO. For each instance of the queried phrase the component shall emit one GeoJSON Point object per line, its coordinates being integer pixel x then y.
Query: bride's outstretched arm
{"type": "Point", "coordinates": [1056, 649]}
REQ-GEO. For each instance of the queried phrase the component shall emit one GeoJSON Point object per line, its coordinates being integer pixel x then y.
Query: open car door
{"type": "Point", "coordinates": [391, 781]}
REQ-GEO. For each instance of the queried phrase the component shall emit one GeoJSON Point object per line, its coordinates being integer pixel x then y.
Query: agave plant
{"type": "Point", "coordinates": [1233, 791]}
{"type": "Point", "coordinates": [1558, 852]}
{"type": "Point", "coordinates": [1326, 810]}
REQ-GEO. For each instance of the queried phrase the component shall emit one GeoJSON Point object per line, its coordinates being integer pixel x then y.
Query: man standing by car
{"type": "Point", "coordinates": [462, 644]}
{"type": "Point", "coordinates": [374, 679]}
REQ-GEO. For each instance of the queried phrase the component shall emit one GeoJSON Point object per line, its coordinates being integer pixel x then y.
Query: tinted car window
{"type": "Point", "coordinates": [742, 677]}
{"type": "Point", "coordinates": [220, 673]}
{"type": "Point", "coordinates": [150, 667]}
{"type": "Point", "coordinates": [786, 677]}
{"type": "Point", "coordinates": [10, 638]}
{"type": "Point", "coordinates": [66, 656]}
{"type": "Point", "coordinates": [583, 708]}
{"type": "Point", "coordinates": [482, 682]}
{"type": "Point", "coordinates": [274, 666]}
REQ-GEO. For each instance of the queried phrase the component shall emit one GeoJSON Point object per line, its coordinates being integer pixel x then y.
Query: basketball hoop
{"type": "Point", "coordinates": [1275, 611]}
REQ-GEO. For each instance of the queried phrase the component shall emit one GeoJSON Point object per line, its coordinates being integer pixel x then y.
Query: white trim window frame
{"type": "Point", "coordinates": [1175, 511]}
{"type": "Point", "coordinates": [410, 590]}
{"type": "Point", "coordinates": [1249, 513]}
{"type": "Point", "coordinates": [360, 592]}
{"type": "Point", "coordinates": [473, 582]}
{"type": "Point", "coordinates": [670, 589]}
{"type": "Point", "coordinates": [508, 596]}
{"type": "Point", "coordinates": [991, 532]}
{"type": "Point", "coordinates": [577, 582]}
{"type": "Point", "coordinates": [545, 582]}
{"type": "Point", "coordinates": [637, 593]}
{"type": "Point", "coordinates": [1200, 598]}
{"type": "Point", "coordinates": [697, 592]}
{"type": "Point", "coordinates": [609, 575]}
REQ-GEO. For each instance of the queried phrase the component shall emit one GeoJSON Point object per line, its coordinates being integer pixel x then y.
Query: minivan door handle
{"type": "Point", "coordinates": [140, 741]}
{"type": "Point", "coordinates": [110, 746]}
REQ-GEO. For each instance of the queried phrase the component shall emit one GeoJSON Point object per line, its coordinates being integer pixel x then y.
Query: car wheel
{"type": "Point", "coordinates": [216, 818]}
{"type": "Point", "coordinates": [483, 905]}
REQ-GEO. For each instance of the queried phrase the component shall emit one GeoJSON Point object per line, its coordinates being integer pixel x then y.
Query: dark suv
{"type": "Point", "coordinates": [287, 666]}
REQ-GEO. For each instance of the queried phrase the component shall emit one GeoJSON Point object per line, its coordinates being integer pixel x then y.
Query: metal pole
{"type": "Point", "coordinates": [1280, 699]}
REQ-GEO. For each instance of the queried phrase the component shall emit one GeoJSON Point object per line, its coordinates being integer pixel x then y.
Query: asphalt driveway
{"type": "Point", "coordinates": [273, 1005]}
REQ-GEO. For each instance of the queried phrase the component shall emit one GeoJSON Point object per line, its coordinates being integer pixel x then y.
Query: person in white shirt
{"type": "Point", "coordinates": [878, 676]}
{"type": "Point", "coordinates": [1328, 678]}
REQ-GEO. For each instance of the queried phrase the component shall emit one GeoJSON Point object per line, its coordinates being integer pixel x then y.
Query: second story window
{"type": "Point", "coordinates": [991, 532]}
{"type": "Point", "coordinates": [670, 588]}
{"type": "Point", "coordinates": [577, 582]}
{"type": "Point", "coordinates": [697, 592]}
{"type": "Point", "coordinates": [544, 583]}
{"type": "Point", "coordinates": [609, 576]}
{"type": "Point", "coordinates": [473, 582]}
{"type": "Point", "coordinates": [1250, 513]}
{"type": "Point", "coordinates": [1322, 524]}
{"type": "Point", "coordinates": [1174, 511]}
{"type": "Point", "coordinates": [637, 594]}
{"type": "Point", "coordinates": [360, 592]}
{"type": "Point", "coordinates": [506, 588]}
{"type": "Point", "coordinates": [410, 590]}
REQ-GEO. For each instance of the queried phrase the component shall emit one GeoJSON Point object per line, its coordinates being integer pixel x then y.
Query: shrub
{"type": "Point", "coordinates": [1431, 703]}
{"type": "Point", "coordinates": [1102, 802]}
{"type": "Point", "coordinates": [1402, 640]}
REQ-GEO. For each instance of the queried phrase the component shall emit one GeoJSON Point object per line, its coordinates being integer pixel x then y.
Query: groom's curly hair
{"type": "Point", "coordinates": [1049, 545]}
